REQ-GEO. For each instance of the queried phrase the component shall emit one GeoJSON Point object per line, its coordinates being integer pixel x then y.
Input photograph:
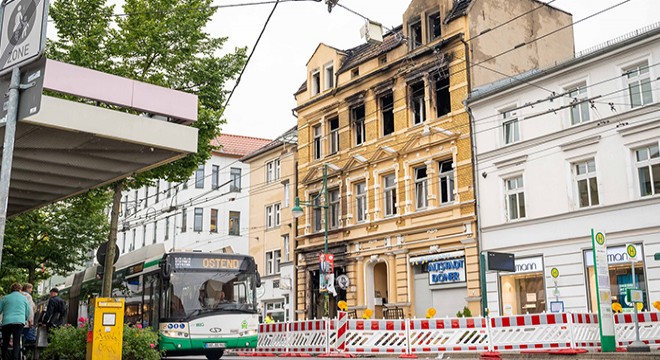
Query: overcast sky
{"type": "Point", "coordinates": [262, 103]}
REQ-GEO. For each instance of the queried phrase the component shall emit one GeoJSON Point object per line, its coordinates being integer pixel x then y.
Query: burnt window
{"type": "Point", "coordinates": [357, 118]}
{"type": "Point", "coordinates": [434, 26]}
{"type": "Point", "coordinates": [355, 73]}
{"type": "Point", "coordinates": [417, 102]}
{"type": "Point", "coordinates": [415, 31]}
{"type": "Point", "coordinates": [387, 110]}
{"type": "Point", "coordinates": [442, 98]}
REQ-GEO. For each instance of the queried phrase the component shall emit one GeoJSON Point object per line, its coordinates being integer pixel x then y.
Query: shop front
{"type": "Point", "coordinates": [621, 276]}
{"type": "Point", "coordinates": [311, 298]}
{"type": "Point", "coordinates": [440, 282]}
{"type": "Point", "coordinates": [523, 291]}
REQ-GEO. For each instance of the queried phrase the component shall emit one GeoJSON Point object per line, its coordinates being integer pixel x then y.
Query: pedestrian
{"type": "Point", "coordinates": [29, 332]}
{"type": "Point", "coordinates": [15, 310]}
{"type": "Point", "coordinates": [269, 320]}
{"type": "Point", "coordinates": [55, 311]}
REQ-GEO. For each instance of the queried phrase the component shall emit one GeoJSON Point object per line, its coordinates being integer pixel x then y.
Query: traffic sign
{"type": "Point", "coordinates": [554, 273]}
{"type": "Point", "coordinates": [29, 103]}
{"type": "Point", "coordinates": [22, 32]}
{"type": "Point", "coordinates": [632, 252]}
{"type": "Point", "coordinates": [102, 252]}
{"type": "Point", "coordinates": [634, 295]}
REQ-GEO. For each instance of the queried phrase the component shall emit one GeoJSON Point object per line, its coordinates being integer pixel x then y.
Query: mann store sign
{"type": "Point", "coordinates": [447, 271]}
{"type": "Point", "coordinates": [615, 255]}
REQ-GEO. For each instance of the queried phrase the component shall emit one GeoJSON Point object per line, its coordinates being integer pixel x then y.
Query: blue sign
{"type": "Point", "coordinates": [447, 271]}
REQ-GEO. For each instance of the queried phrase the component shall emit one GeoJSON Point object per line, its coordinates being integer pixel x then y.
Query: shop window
{"type": "Point", "coordinates": [446, 181]}
{"type": "Point", "coordinates": [434, 23]}
{"type": "Point", "coordinates": [415, 34]}
{"type": "Point", "coordinates": [389, 187]}
{"type": "Point", "coordinates": [417, 102]}
{"type": "Point", "coordinates": [579, 105]}
{"type": "Point", "coordinates": [361, 201]}
{"type": "Point", "coordinates": [515, 198]}
{"type": "Point", "coordinates": [334, 208]}
{"type": "Point", "coordinates": [523, 293]}
{"type": "Point", "coordinates": [587, 183]}
{"type": "Point", "coordinates": [442, 96]}
{"type": "Point", "coordinates": [510, 127]}
{"type": "Point", "coordinates": [387, 113]}
{"type": "Point", "coordinates": [620, 271]}
{"type": "Point", "coordinates": [647, 161]}
{"type": "Point", "coordinates": [316, 82]}
{"type": "Point", "coordinates": [357, 118]}
{"type": "Point", "coordinates": [639, 84]}
{"type": "Point", "coordinates": [421, 188]}
{"type": "Point", "coordinates": [334, 135]}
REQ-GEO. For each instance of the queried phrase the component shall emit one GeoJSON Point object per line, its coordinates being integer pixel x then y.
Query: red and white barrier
{"type": "Point", "coordinates": [649, 328]}
{"type": "Point", "coordinates": [342, 329]}
{"type": "Point", "coordinates": [448, 335]}
{"type": "Point", "coordinates": [376, 336]}
{"type": "Point", "coordinates": [585, 331]}
{"type": "Point", "coordinates": [273, 337]}
{"type": "Point", "coordinates": [307, 336]}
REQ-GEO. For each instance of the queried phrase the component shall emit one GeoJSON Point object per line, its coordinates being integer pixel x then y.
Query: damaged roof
{"type": "Point", "coordinates": [367, 51]}
{"type": "Point", "coordinates": [460, 9]}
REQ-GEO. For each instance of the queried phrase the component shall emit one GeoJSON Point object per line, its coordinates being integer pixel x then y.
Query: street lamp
{"type": "Point", "coordinates": [297, 212]}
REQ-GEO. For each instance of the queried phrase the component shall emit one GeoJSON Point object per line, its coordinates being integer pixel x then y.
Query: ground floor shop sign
{"type": "Point", "coordinates": [603, 291]}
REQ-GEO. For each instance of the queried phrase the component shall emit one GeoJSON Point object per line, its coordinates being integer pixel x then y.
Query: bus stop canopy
{"type": "Point", "coordinates": [70, 147]}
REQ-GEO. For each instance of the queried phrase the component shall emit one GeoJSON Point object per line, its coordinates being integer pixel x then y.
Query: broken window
{"type": "Point", "coordinates": [442, 98]}
{"type": "Point", "coordinates": [355, 73]}
{"type": "Point", "coordinates": [415, 31]}
{"type": "Point", "coordinates": [387, 110]}
{"type": "Point", "coordinates": [357, 117]}
{"type": "Point", "coordinates": [434, 26]}
{"type": "Point", "coordinates": [316, 82]}
{"type": "Point", "coordinates": [417, 103]}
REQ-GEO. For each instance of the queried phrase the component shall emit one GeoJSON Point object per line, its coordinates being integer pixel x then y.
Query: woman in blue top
{"type": "Point", "coordinates": [15, 310]}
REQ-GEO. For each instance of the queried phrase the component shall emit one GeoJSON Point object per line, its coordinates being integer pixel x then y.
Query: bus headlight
{"type": "Point", "coordinates": [174, 333]}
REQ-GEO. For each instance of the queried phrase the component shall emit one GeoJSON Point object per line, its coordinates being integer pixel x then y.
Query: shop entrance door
{"type": "Point", "coordinates": [377, 293]}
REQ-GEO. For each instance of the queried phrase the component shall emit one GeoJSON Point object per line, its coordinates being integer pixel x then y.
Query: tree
{"type": "Point", "coordinates": [162, 42]}
{"type": "Point", "coordinates": [55, 239]}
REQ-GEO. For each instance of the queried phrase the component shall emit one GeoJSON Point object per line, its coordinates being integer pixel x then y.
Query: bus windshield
{"type": "Point", "coordinates": [193, 293]}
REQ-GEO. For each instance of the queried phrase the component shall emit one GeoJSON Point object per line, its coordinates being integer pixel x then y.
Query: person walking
{"type": "Point", "coordinates": [15, 310]}
{"type": "Point", "coordinates": [55, 311]}
{"type": "Point", "coordinates": [29, 332]}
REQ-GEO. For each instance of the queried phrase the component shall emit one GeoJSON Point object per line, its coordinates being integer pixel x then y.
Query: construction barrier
{"type": "Point", "coordinates": [521, 333]}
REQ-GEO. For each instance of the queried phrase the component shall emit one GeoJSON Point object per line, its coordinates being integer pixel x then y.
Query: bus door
{"type": "Point", "coordinates": [150, 300]}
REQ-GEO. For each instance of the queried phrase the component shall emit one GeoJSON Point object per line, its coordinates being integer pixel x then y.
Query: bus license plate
{"type": "Point", "coordinates": [216, 345]}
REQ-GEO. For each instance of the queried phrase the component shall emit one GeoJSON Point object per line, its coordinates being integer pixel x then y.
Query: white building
{"type": "Point", "coordinates": [209, 212]}
{"type": "Point", "coordinates": [560, 152]}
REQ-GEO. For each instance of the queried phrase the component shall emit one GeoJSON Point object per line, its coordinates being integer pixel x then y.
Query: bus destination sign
{"type": "Point", "coordinates": [206, 263]}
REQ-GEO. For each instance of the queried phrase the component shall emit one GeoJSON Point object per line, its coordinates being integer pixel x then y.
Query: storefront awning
{"type": "Point", "coordinates": [419, 260]}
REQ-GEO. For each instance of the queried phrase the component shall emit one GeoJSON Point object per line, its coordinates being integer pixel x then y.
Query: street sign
{"type": "Point", "coordinates": [603, 292]}
{"type": "Point", "coordinates": [29, 103]}
{"type": "Point", "coordinates": [554, 273]}
{"type": "Point", "coordinates": [22, 32]}
{"type": "Point", "coordinates": [632, 252]}
{"type": "Point", "coordinates": [635, 296]}
{"type": "Point", "coordinates": [101, 253]}
{"type": "Point", "coordinates": [343, 282]}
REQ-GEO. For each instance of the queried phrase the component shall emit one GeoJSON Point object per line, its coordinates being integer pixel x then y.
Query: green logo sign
{"type": "Point", "coordinates": [632, 251]}
{"type": "Point", "coordinates": [244, 324]}
{"type": "Point", "coordinates": [199, 325]}
{"type": "Point", "coordinates": [600, 238]}
{"type": "Point", "coordinates": [554, 272]}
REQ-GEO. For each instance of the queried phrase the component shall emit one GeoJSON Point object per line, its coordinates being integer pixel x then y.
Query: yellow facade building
{"type": "Point", "coordinates": [388, 122]}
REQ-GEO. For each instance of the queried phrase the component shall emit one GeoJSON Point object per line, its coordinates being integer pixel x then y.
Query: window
{"type": "Point", "coordinates": [639, 85]}
{"type": "Point", "coordinates": [199, 177]}
{"type": "Point", "coordinates": [334, 208]}
{"type": "Point", "coordinates": [154, 239]}
{"type": "Point", "coordinates": [421, 188]}
{"type": "Point", "coordinates": [415, 34]}
{"type": "Point", "coordinates": [287, 249]}
{"type": "Point", "coordinates": [317, 141]}
{"type": "Point", "coordinates": [587, 184]}
{"type": "Point", "coordinates": [334, 135]}
{"type": "Point", "coordinates": [389, 186]}
{"type": "Point", "coordinates": [515, 198]}
{"type": "Point", "coordinates": [287, 196]}
{"type": "Point", "coordinates": [214, 221]}
{"type": "Point", "coordinates": [357, 117]}
{"type": "Point", "coordinates": [329, 74]}
{"type": "Point", "coordinates": [442, 97]}
{"type": "Point", "coordinates": [648, 170]}
{"type": "Point", "coordinates": [579, 112]}
{"type": "Point", "coordinates": [234, 223]}
{"type": "Point", "coordinates": [273, 262]}
{"type": "Point", "coordinates": [184, 220]}
{"type": "Point", "coordinates": [123, 246]}
{"type": "Point", "coordinates": [146, 197]}
{"type": "Point", "coordinates": [199, 213]}
{"type": "Point", "coordinates": [215, 177]}
{"type": "Point", "coordinates": [158, 188]}
{"type": "Point", "coordinates": [273, 215]}
{"type": "Point", "coordinates": [126, 212]}
{"type": "Point", "coordinates": [316, 82]}
{"type": "Point", "coordinates": [361, 201]}
{"type": "Point", "coordinates": [169, 190]}
{"type": "Point", "coordinates": [133, 244]}
{"type": "Point", "coordinates": [434, 26]}
{"type": "Point", "coordinates": [316, 212]}
{"type": "Point", "coordinates": [417, 103]}
{"type": "Point", "coordinates": [167, 228]}
{"type": "Point", "coordinates": [273, 170]}
{"type": "Point", "coordinates": [355, 73]}
{"type": "Point", "coordinates": [510, 127]}
{"type": "Point", "coordinates": [136, 203]}
{"type": "Point", "coordinates": [144, 235]}
{"type": "Point", "coordinates": [446, 181]}
{"type": "Point", "coordinates": [235, 176]}
{"type": "Point", "coordinates": [387, 111]}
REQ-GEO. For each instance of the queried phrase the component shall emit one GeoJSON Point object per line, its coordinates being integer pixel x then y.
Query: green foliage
{"type": "Point", "coordinates": [66, 343]}
{"type": "Point", "coordinates": [54, 239]}
{"type": "Point", "coordinates": [140, 344]}
{"type": "Point", "coordinates": [70, 343]}
{"type": "Point", "coordinates": [465, 313]}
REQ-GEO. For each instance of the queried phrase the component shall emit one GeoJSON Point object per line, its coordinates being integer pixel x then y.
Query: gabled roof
{"type": "Point", "coordinates": [367, 51]}
{"type": "Point", "coordinates": [460, 9]}
{"type": "Point", "coordinates": [289, 137]}
{"type": "Point", "coordinates": [237, 145]}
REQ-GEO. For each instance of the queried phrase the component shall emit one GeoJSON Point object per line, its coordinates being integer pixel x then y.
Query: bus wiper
{"type": "Point", "coordinates": [198, 312]}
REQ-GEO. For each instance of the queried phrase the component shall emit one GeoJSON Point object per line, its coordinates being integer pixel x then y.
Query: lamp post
{"type": "Point", "coordinates": [297, 212]}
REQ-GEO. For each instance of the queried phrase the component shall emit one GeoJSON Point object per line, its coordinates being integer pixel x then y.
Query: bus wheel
{"type": "Point", "coordinates": [215, 356]}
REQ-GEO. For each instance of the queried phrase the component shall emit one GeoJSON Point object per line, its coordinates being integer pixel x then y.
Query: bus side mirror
{"type": "Point", "coordinates": [166, 271]}
{"type": "Point", "coordinates": [258, 280]}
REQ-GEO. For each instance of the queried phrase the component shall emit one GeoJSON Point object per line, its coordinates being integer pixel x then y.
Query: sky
{"type": "Point", "coordinates": [261, 105]}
